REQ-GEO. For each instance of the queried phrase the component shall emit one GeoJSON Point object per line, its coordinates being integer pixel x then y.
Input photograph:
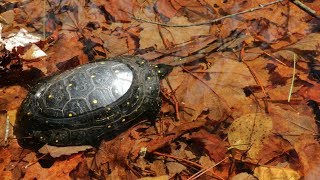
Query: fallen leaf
{"type": "Point", "coordinates": [60, 151]}
{"type": "Point", "coordinates": [214, 146]}
{"type": "Point", "coordinates": [175, 168]}
{"type": "Point", "coordinates": [273, 148]}
{"type": "Point", "coordinates": [118, 10]}
{"type": "Point", "coordinates": [21, 38]}
{"type": "Point", "coordinates": [292, 124]}
{"type": "Point", "coordinates": [11, 97]}
{"type": "Point", "coordinates": [262, 172]}
{"type": "Point", "coordinates": [164, 177]}
{"type": "Point", "coordinates": [206, 162]}
{"type": "Point", "coordinates": [243, 176]}
{"type": "Point", "coordinates": [308, 150]}
{"type": "Point", "coordinates": [34, 52]}
{"type": "Point", "coordinates": [249, 131]}
{"type": "Point", "coordinates": [158, 167]}
{"type": "Point", "coordinates": [60, 169]}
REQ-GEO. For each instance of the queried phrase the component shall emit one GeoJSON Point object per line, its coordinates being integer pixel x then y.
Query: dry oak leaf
{"type": "Point", "coordinates": [248, 133]}
{"type": "Point", "coordinates": [59, 170]}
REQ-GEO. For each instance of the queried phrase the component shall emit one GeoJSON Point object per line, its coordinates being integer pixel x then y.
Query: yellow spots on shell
{"type": "Point", "coordinates": [57, 140]}
{"type": "Point", "coordinates": [29, 113]}
{"type": "Point", "coordinates": [50, 96]}
{"type": "Point", "coordinates": [95, 101]}
{"type": "Point", "coordinates": [159, 71]}
{"type": "Point", "coordinates": [70, 85]}
{"type": "Point", "coordinates": [109, 126]}
{"type": "Point", "coordinates": [70, 115]}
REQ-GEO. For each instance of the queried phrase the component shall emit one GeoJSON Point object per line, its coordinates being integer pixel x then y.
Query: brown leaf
{"type": "Point", "coordinates": [248, 132]}
{"type": "Point", "coordinates": [273, 148]}
{"type": "Point", "coordinates": [262, 172]}
{"type": "Point", "coordinates": [311, 92]}
{"type": "Point", "coordinates": [161, 141]}
{"type": "Point", "coordinates": [119, 10]}
{"type": "Point", "coordinates": [60, 169]}
{"type": "Point", "coordinates": [290, 124]}
{"type": "Point", "coordinates": [215, 147]}
{"type": "Point", "coordinates": [66, 48]}
{"type": "Point", "coordinates": [166, 8]}
{"type": "Point", "coordinates": [60, 151]}
{"type": "Point", "coordinates": [308, 150]}
{"type": "Point", "coordinates": [11, 97]}
{"type": "Point", "coordinates": [5, 158]}
{"type": "Point", "coordinates": [175, 168]}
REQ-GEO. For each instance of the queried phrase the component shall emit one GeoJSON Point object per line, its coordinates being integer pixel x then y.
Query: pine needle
{"type": "Point", "coordinates": [293, 77]}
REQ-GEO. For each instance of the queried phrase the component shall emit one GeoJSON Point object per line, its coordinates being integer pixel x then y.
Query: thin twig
{"type": "Point", "coordinates": [293, 77]}
{"type": "Point", "coordinates": [305, 8]}
{"type": "Point", "coordinates": [187, 161]}
{"type": "Point", "coordinates": [198, 174]}
{"type": "Point", "coordinates": [261, 6]}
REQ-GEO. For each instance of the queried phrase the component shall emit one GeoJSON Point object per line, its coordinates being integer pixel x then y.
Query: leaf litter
{"type": "Point", "coordinates": [225, 110]}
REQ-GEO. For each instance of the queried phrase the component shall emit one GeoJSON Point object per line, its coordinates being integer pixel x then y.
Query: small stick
{"type": "Point", "coordinates": [305, 8]}
{"type": "Point", "coordinates": [261, 6]}
{"type": "Point", "coordinates": [198, 174]}
{"type": "Point", "coordinates": [190, 162]}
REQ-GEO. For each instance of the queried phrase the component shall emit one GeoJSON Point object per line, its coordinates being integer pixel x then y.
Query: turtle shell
{"type": "Point", "coordinates": [92, 101]}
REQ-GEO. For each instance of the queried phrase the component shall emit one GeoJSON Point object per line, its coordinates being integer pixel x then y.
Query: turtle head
{"type": "Point", "coordinates": [163, 70]}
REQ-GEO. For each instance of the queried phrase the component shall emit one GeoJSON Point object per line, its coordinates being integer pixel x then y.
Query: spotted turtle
{"type": "Point", "coordinates": [93, 101]}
